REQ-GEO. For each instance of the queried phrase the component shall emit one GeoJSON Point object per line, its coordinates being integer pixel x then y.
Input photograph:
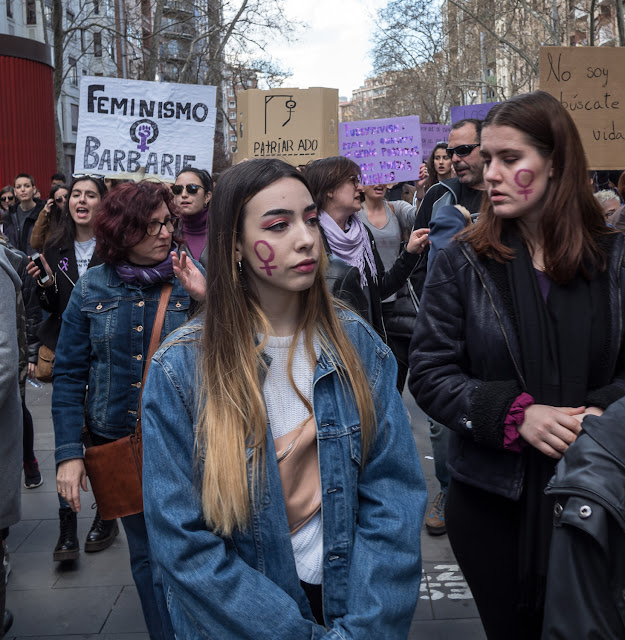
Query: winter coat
{"type": "Point", "coordinates": [587, 556]}
{"type": "Point", "coordinates": [19, 235]}
{"type": "Point", "coordinates": [465, 360]}
{"type": "Point", "coordinates": [10, 400]}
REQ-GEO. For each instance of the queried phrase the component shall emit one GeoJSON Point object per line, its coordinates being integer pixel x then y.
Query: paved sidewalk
{"type": "Point", "coordinates": [95, 598]}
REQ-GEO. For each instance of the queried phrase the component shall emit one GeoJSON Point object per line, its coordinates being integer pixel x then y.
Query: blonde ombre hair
{"type": "Point", "coordinates": [232, 418]}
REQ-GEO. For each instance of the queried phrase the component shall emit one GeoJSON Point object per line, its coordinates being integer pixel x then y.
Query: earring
{"type": "Point", "coordinates": [240, 267]}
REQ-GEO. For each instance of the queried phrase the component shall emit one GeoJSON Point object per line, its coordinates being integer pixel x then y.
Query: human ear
{"type": "Point", "coordinates": [209, 195]}
{"type": "Point", "coordinates": [238, 251]}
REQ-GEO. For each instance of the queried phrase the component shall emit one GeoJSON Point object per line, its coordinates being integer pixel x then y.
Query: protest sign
{"type": "Point", "coordinates": [387, 150]}
{"type": "Point", "coordinates": [478, 111]}
{"type": "Point", "coordinates": [295, 125]}
{"type": "Point", "coordinates": [431, 134]}
{"type": "Point", "coordinates": [131, 127]}
{"type": "Point", "coordinates": [588, 82]}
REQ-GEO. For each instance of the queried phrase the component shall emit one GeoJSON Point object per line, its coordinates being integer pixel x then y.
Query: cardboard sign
{"type": "Point", "coordinates": [477, 111]}
{"type": "Point", "coordinates": [387, 150]}
{"type": "Point", "coordinates": [431, 135]}
{"type": "Point", "coordinates": [130, 128]}
{"type": "Point", "coordinates": [588, 82]}
{"type": "Point", "coordinates": [295, 125]}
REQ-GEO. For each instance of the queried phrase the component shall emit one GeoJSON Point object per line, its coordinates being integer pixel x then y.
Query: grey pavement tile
{"type": "Point", "coordinates": [126, 615]}
{"type": "Point", "coordinates": [423, 610]}
{"type": "Point", "coordinates": [45, 457]}
{"type": "Point", "coordinates": [446, 630]}
{"type": "Point", "coordinates": [61, 611]}
{"type": "Point", "coordinates": [44, 505]}
{"type": "Point", "coordinates": [32, 571]}
{"type": "Point", "coordinates": [449, 593]}
{"type": "Point", "coordinates": [104, 568]}
{"type": "Point", "coordinates": [43, 440]}
{"type": "Point", "coordinates": [19, 532]}
{"type": "Point", "coordinates": [436, 548]}
{"type": "Point", "coordinates": [49, 482]}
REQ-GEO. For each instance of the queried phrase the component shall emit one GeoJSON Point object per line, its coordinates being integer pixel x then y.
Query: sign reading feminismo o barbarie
{"type": "Point", "coordinates": [127, 127]}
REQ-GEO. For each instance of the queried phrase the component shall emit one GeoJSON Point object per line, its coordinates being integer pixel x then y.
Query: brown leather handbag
{"type": "Point", "coordinates": [115, 469]}
{"type": "Point", "coordinates": [45, 362]}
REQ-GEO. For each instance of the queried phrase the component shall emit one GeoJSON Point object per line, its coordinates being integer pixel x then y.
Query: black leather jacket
{"type": "Point", "coordinates": [465, 360]}
{"type": "Point", "coordinates": [19, 235]}
{"type": "Point", "coordinates": [586, 580]}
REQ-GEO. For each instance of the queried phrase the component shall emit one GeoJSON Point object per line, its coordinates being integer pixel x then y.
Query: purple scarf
{"type": "Point", "coordinates": [131, 273]}
{"type": "Point", "coordinates": [352, 246]}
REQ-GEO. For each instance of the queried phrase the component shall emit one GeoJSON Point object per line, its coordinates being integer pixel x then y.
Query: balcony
{"type": "Point", "coordinates": [177, 7]}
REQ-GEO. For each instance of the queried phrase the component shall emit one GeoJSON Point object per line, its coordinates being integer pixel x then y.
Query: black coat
{"type": "Point", "coordinates": [19, 235]}
{"type": "Point", "coordinates": [465, 360]}
{"type": "Point", "coordinates": [54, 299]}
{"type": "Point", "coordinates": [385, 283]}
{"type": "Point", "coordinates": [586, 579]}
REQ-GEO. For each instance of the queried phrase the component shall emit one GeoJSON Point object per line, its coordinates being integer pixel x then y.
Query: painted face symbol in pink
{"type": "Point", "coordinates": [271, 255]}
{"type": "Point", "coordinates": [524, 178]}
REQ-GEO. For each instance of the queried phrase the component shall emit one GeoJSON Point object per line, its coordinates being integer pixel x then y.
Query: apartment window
{"type": "Point", "coordinates": [31, 11]}
{"type": "Point", "coordinates": [233, 148]}
{"type": "Point", "coordinates": [233, 115]}
{"type": "Point", "coordinates": [82, 41]}
{"type": "Point", "coordinates": [233, 137]}
{"type": "Point", "coordinates": [74, 109]}
{"type": "Point", "coordinates": [47, 7]}
{"type": "Point", "coordinates": [97, 44]}
{"type": "Point", "coordinates": [96, 7]}
{"type": "Point", "coordinates": [9, 8]}
{"type": "Point", "coordinates": [73, 72]}
{"type": "Point", "coordinates": [233, 104]}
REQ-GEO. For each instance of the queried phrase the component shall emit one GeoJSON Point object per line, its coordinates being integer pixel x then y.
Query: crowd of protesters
{"type": "Point", "coordinates": [282, 491]}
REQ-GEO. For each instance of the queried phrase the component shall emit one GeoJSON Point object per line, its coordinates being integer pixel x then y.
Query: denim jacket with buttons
{"type": "Point", "coordinates": [103, 344]}
{"type": "Point", "coordinates": [246, 586]}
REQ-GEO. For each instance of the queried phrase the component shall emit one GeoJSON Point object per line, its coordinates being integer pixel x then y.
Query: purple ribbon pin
{"type": "Point", "coordinates": [64, 264]}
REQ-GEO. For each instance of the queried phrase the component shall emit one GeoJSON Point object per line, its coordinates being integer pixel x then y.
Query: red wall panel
{"type": "Point", "coordinates": [26, 121]}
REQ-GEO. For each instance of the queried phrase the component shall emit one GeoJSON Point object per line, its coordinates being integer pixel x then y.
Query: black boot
{"type": "Point", "coordinates": [67, 547]}
{"type": "Point", "coordinates": [7, 622]}
{"type": "Point", "coordinates": [101, 534]}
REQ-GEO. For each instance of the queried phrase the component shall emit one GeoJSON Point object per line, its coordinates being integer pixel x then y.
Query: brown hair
{"type": "Point", "coordinates": [327, 175]}
{"type": "Point", "coordinates": [572, 219]}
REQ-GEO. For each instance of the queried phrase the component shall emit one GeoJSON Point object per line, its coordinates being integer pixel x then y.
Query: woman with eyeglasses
{"type": "Point", "coordinates": [49, 217]}
{"type": "Point", "coordinates": [192, 193]}
{"type": "Point", "coordinates": [519, 336]}
{"type": "Point", "coordinates": [336, 188]}
{"type": "Point", "coordinates": [103, 347]}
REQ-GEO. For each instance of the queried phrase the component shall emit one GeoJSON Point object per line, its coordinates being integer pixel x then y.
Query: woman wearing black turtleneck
{"type": "Point", "coordinates": [192, 193]}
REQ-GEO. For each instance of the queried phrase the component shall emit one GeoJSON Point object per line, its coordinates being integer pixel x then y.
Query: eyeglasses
{"type": "Point", "coordinates": [192, 189]}
{"type": "Point", "coordinates": [7, 198]}
{"type": "Point", "coordinates": [461, 150]}
{"type": "Point", "coordinates": [355, 180]}
{"type": "Point", "coordinates": [60, 199]}
{"type": "Point", "coordinates": [154, 227]}
{"type": "Point", "coordinates": [93, 176]}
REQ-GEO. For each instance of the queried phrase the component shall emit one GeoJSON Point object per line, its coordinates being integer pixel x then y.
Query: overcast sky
{"type": "Point", "coordinates": [332, 50]}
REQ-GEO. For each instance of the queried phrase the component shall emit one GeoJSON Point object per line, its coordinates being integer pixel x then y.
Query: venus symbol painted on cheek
{"type": "Point", "coordinates": [524, 178]}
{"type": "Point", "coordinates": [269, 257]}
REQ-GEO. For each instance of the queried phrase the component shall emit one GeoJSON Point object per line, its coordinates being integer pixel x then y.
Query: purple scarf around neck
{"type": "Point", "coordinates": [134, 273]}
{"type": "Point", "coordinates": [352, 246]}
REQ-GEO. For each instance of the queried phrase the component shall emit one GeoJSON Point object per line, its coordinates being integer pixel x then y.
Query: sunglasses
{"type": "Point", "coordinates": [7, 198]}
{"type": "Point", "coordinates": [461, 150]}
{"type": "Point", "coordinates": [192, 189]}
{"type": "Point", "coordinates": [93, 176]}
{"type": "Point", "coordinates": [60, 199]}
{"type": "Point", "coordinates": [154, 227]}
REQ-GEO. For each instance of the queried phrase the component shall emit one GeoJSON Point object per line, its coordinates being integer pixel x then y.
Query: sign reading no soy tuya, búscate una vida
{"type": "Point", "coordinates": [588, 82]}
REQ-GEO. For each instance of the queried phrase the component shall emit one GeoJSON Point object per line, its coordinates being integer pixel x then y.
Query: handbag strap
{"type": "Point", "coordinates": [155, 340]}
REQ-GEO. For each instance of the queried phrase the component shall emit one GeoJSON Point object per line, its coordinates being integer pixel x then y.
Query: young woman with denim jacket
{"type": "Point", "coordinates": [282, 490]}
{"type": "Point", "coordinates": [102, 348]}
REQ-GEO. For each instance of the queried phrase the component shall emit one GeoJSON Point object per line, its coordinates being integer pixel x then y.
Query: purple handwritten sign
{"type": "Point", "coordinates": [478, 111]}
{"type": "Point", "coordinates": [431, 134]}
{"type": "Point", "coordinates": [386, 150]}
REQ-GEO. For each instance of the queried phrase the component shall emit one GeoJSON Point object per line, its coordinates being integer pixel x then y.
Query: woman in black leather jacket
{"type": "Point", "coordinates": [335, 185]}
{"type": "Point", "coordinates": [519, 336]}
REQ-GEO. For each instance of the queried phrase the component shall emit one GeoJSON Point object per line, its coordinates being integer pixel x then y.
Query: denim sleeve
{"type": "Point", "coordinates": [385, 573]}
{"type": "Point", "coordinates": [212, 591]}
{"type": "Point", "coordinates": [71, 375]}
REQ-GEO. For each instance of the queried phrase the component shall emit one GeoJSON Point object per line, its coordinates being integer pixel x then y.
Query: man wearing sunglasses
{"type": "Point", "coordinates": [466, 189]}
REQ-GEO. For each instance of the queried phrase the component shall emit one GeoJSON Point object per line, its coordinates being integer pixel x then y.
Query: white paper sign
{"type": "Point", "coordinates": [126, 127]}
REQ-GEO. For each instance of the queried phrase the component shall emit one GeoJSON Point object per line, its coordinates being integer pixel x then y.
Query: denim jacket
{"type": "Point", "coordinates": [103, 343]}
{"type": "Point", "coordinates": [246, 586]}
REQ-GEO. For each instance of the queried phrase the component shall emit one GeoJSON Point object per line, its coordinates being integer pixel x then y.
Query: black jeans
{"type": "Point", "coordinates": [483, 529]}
